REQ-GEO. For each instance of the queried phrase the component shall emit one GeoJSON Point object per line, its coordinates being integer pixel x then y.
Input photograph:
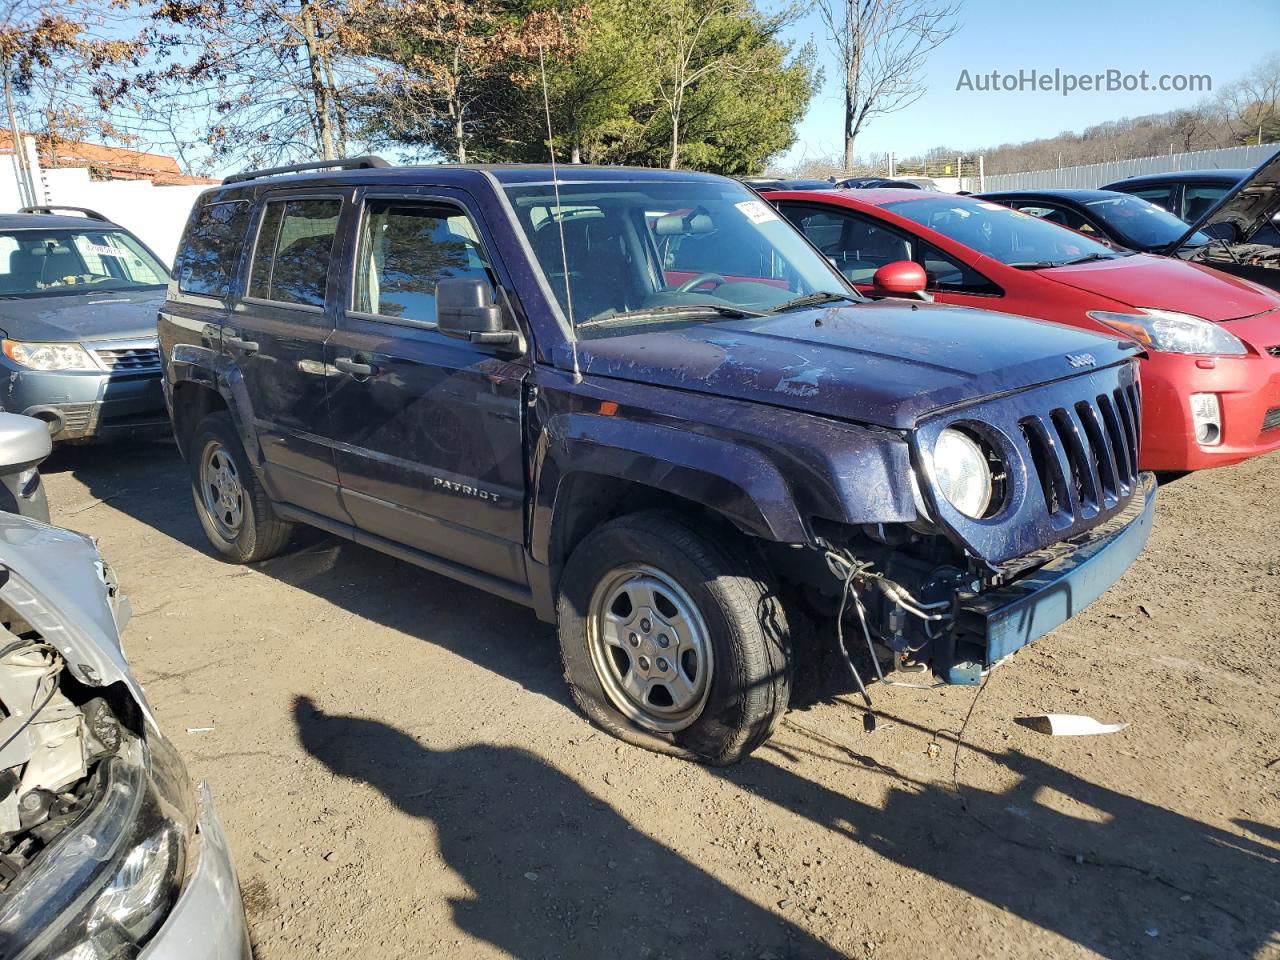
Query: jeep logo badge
{"type": "Point", "coordinates": [1081, 360]}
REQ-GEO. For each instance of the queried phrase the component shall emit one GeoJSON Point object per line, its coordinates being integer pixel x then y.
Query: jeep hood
{"type": "Point", "coordinates": [101, 315]}
{"type": "Point", "coordinates": [1242, 212]}
{"type": "Point", "coordinates": [1144, 280]}
{"type": "Point", "coordinates": [886, 363]}
{"type": "Point", "coordinates": [56, 580]}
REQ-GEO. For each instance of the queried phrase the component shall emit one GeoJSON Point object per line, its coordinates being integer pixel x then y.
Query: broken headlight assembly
{"type": "Point", "coordinates": [963, 472]}
{"type": "Point", "coordinates": [108, 882]}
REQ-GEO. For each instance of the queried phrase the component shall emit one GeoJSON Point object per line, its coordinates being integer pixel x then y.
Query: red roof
{"type": "Point", "coordinates": [115, 163]}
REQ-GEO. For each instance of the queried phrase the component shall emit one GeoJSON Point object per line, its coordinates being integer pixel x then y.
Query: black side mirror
{"type": "Point", "coordinates": [465, 309]}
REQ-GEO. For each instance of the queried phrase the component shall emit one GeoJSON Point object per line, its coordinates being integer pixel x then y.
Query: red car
{"type": "Point", "coordinates": [1211, 382]}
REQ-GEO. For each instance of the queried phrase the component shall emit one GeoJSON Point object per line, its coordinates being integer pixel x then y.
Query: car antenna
{"type": "Point", "coordinates": [555, 184]}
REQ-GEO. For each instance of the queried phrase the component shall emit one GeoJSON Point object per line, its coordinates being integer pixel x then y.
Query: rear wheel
{"type": "Point", "coordinates": [673, 638]}
{"type": "Point", "coordinates": [234, 510]}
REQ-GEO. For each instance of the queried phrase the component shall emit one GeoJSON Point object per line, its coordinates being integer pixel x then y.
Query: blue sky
{"type": "Point", "coordinates": [1084, 36]}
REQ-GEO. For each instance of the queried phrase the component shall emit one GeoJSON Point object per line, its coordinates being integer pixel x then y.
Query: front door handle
{"type": "Point", "coordinates": [355, 367]}
{"type": "Point", "coordinates": [244, 346]}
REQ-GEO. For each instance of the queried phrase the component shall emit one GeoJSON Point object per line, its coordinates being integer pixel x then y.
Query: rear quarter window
{"type": "Point", "coordinates": [210, 248]}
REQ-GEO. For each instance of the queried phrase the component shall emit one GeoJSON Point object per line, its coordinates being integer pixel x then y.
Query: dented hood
{"type": "Point", "coordinates": [886, 363]}
{"type": "Point", "coordinates": [57, 581]}
{"type": "Point", "coordinates": [1242, 212]}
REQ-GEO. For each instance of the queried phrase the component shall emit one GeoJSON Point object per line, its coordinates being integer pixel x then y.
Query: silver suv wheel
{"type": "Point", "coordinates": [221, 489]}
{"type": "Point", "coordinates": [650, 648]}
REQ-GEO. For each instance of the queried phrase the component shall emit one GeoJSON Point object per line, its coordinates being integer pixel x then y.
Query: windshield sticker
{"type": "Point", "coordinates": [987, 205]}
{"type": "Point", "coordinates": [757, 211]}
{"type": "Point", "coordinates": [101, 249]}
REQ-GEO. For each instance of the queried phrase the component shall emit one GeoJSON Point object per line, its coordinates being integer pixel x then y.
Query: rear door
{"type": "Point", "coordinates": [427, 427]}
{"type": "Point", "coordinates": [275, 338]}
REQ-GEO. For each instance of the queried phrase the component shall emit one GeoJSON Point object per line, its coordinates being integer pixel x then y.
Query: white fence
{"type": "Point", "coordinates": [1096, 174]}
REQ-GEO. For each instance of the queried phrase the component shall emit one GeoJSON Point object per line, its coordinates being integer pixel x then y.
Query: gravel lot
{"type": "Point", "coordinates": [401, 773]}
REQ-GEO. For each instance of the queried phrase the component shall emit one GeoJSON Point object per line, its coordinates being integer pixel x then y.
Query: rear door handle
{"type": "Point", "coordinates": [244, 346]}
{"type": "Point", "coordinates": [354, 367]}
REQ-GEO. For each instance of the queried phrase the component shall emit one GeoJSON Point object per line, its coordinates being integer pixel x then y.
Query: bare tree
{"type": "Point", "coordinates": [881, 47]}
{"type": "Point", "coordinates": [1251, 105]}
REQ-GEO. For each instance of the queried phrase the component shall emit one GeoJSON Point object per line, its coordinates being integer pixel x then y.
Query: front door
{"type": "Point", "coordinates": [427, 427]}
{"type": "Point", "coordinates": [274, 341]}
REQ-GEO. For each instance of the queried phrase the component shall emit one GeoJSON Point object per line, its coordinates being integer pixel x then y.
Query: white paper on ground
{"type": "Point", "coordinates": [1071, 725]}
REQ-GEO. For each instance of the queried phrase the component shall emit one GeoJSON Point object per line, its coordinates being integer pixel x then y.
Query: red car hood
{"type": "Point", "coordinates": [1148, 281]}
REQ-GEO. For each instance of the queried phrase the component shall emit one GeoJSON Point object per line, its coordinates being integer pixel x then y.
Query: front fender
{"type": "Point", "coordinates": [734, 480]}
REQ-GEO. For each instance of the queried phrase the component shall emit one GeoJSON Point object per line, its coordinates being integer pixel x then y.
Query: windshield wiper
{"type": "Point", "coordinates": [676, 309]}
{"type": "Point", "coordinates": [1033, 264]}
{"type": "Point", "coordinates": [812, 300]}
{"type": "Point", "coordinates": [1090, 258]}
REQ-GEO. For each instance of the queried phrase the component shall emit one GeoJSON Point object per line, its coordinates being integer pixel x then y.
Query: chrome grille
{"type": "Point", "coordinates": [1086, 456]}
{"type": "Point", "coordinates": [1272, 420]}
{"type": "Point", "coordinates": [1274, 351]}
{"type": "Point", "coordinates": [135, 359]}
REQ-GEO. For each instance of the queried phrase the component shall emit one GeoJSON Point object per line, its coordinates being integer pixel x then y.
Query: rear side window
{"type": "Point", "coordinates": [294, 249]}
{"type": "Point", "coordinates": [210, 248]}
{"type": "Point", "coordinates": [405, 250]}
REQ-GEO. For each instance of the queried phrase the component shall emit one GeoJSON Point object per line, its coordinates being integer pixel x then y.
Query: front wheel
{"type": "Point", "coordinates": [673, 638]}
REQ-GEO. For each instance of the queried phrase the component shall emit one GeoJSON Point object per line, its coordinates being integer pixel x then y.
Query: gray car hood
{"type": "Point", "coordinates": [1246, 209]}
{"type": "Point", "coordinates": [58, 582]}
{"type": "Point", "coordinates": [101, 315]}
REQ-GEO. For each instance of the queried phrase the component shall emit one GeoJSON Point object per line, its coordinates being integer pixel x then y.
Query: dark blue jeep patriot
{"type": "Point", "coordinates": [642, 404]}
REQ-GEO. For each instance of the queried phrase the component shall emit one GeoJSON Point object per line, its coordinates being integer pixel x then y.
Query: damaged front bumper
{"type": "Point", "coordinates": [994, 624]}
{"type": "Point", "coordinates": [207, 922]}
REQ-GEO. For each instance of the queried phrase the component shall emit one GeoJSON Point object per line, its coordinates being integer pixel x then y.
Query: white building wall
{"type": "Point", "coordinates": [155, 214]}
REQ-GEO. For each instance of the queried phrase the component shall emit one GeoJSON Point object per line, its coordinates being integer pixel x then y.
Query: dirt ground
{"type": "Point", "coordinates": [401, 772]}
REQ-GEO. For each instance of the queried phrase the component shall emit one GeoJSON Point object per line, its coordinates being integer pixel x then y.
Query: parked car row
{"type": "Point", "coordinates": [682, 420]}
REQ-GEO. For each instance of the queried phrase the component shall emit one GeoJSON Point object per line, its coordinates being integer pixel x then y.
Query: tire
{"type": "Point", "coordinates": [243, 527]}
{"type": "Point", "coordinates": [729, 684]}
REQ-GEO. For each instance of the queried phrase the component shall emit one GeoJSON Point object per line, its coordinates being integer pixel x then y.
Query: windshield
{"type": "Point", "coordinates": [666, 251]}
{"type": "Point", "coordinates": [1014, 238]}
{"type": "Point", "coordinates": [36, 263]}
{"type": "Point", "coordinates": [1141, 224]}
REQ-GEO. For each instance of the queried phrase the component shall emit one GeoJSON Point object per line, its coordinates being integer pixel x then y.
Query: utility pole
{"type": "Point", "coordinates": [26, 182]}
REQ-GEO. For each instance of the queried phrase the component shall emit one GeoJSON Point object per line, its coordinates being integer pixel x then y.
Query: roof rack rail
{"type": "Point", "coordinates": [50, 207]}
{"type": "Point", "coordinates": [354, 163]}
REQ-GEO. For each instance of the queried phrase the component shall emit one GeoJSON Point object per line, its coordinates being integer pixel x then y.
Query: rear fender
{"type": "Point", "coordinates": [210, 370]}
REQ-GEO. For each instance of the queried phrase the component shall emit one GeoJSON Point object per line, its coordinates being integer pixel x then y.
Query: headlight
{"type": "Point", "coordinates": [1172, 332]}
{"type": "Point", "coordinates": [962, 472]}
{"type": "Point", "coordinates": [49, 356]}
{"type": "Point", "coordinates": [107, 884]}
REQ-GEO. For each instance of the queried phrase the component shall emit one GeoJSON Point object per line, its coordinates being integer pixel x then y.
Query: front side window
{"type": "Point", "coordinates": [861, 246]}
{"type": "Point", "coordinates": [619, 255]}
{"type": "Point", "coordinates": [1139, 224]}
{"type": "Point", "coordinates": [210, 249]}
{"type": "Point", "coordinates": [1013, 238]}
{"type": "Point", "coordinates": [407, 248]}
{"type": "Point", "coordinates": [1160, 196]}
{"type": "Point", "coordinates": [36, 263]}
{"type": "Point", "coordinates": [294, 250]}
{"type": "Point", "coordinates": [1199, 200]}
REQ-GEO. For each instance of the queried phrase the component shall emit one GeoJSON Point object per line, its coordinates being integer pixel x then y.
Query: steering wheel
{"type": "Point", "coordinates": [694, 282]}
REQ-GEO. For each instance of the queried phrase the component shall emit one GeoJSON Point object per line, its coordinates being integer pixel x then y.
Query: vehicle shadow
{"type": "Point", "coordinates": [1110, 872]}
{"type": "Point", "coordinates": [577, 880]}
